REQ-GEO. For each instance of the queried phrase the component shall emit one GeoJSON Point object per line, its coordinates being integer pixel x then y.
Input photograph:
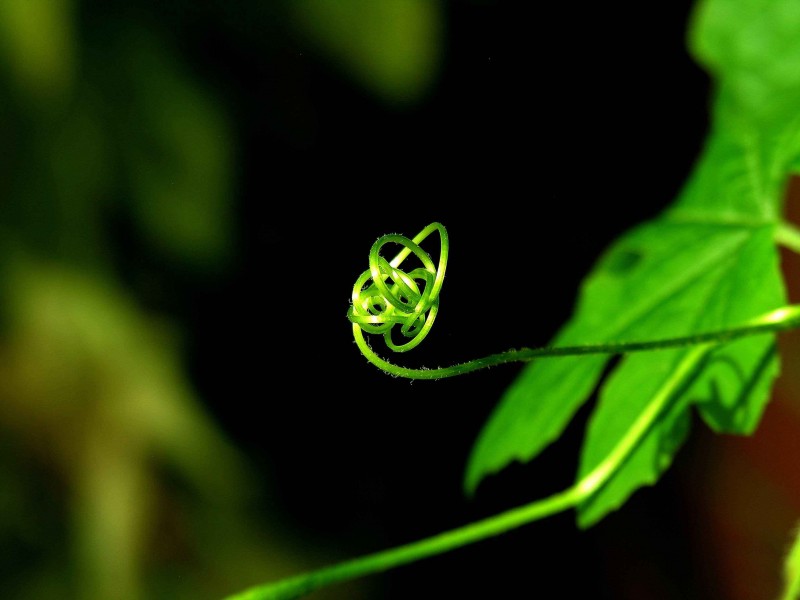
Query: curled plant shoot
{"type": "Point", "coordinates": [411, 300]}
{"type": "Point", "coordinates": [386, 297]}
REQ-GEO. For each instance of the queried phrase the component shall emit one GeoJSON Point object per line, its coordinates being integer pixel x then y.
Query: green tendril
{"type": "Point", "coordinates": [412, 301]}
{"type": "Point", "coordinates": [385, 296]}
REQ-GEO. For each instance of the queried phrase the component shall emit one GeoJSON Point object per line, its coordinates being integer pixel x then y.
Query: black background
{"type": "Point", "coordinates": [552, 129]}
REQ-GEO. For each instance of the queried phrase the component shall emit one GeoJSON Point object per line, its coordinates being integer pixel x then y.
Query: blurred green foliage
{"type": "Point", "coordinates": [392, 48]}
{"type": "Point", "coordinates": [115, 482]}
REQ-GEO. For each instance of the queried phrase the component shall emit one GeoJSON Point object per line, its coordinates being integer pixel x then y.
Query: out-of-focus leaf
{"type": "Point", "coordinates": [94, 386]}
{"type": "Point", "coordinates": [708, 262]}
{"type": "Point", "coordinates": [140, 134]}
{"type": "Point", "coordinates": [148, 495]}
{"type": "Point", "coordinates": [392, 47]}
{"type": "Point", "coordinates": [177, 152]}
{"type": "Point", "coordinates": [37, 44]}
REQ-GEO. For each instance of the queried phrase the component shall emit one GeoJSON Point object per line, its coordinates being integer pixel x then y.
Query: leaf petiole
{"type": "Point", "coordinates": [788, 236]}
{"type": "Point", "coordinates": [300, 585]}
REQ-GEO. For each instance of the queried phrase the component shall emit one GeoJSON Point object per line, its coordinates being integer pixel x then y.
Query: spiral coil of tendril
{"type": "Point", "coordinates": [385, 296]}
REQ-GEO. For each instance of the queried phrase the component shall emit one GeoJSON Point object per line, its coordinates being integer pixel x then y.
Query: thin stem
{"type": "Point", "coordinates": [300, 585]}
{"type": "Point", "coordinates": [791, 570]}
{"type": "Point", "coordinates": [410, 300]}
{"type": "Point", "coordinates": [787, 235]}
{"type": "Point", "coordinates": [780, 319]}
{"type": "Point", "coordinates": [385, 296]}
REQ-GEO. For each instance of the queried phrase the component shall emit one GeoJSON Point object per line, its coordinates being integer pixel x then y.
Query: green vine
{"type": "Point", "coordinates": [385, 297]}
{"type": "Point", "coordinates": [411, 300]}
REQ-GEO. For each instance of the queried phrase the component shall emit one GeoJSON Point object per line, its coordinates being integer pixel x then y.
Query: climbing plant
{"type": "Point", "coordinates": [691, 301]}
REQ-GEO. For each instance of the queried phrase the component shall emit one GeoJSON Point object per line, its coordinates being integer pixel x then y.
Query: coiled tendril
{"type": "Point", "coordinates": [385, 295]}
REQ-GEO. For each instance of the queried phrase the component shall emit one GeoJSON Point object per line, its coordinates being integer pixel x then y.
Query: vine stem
{"type": "Point", "coordinates": [701, 345]}
{"type": "Point", "coordinates": [787, 235]}
{"type": "Point", "coordinates": [787, 317]}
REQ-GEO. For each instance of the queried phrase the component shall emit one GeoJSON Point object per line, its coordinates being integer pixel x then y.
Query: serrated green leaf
{"type": "Point", "coordinates": [706, 263]}
{"type": "Point", "coordinates": [649, 285]}
{"type": "Point", "coordinates": [625, 397]}
{"type": "Point", "coordinates": [731, 388]}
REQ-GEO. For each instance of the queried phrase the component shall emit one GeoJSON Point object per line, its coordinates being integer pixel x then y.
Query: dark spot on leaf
{"type": "Point", "coordinates": [623, 261]}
